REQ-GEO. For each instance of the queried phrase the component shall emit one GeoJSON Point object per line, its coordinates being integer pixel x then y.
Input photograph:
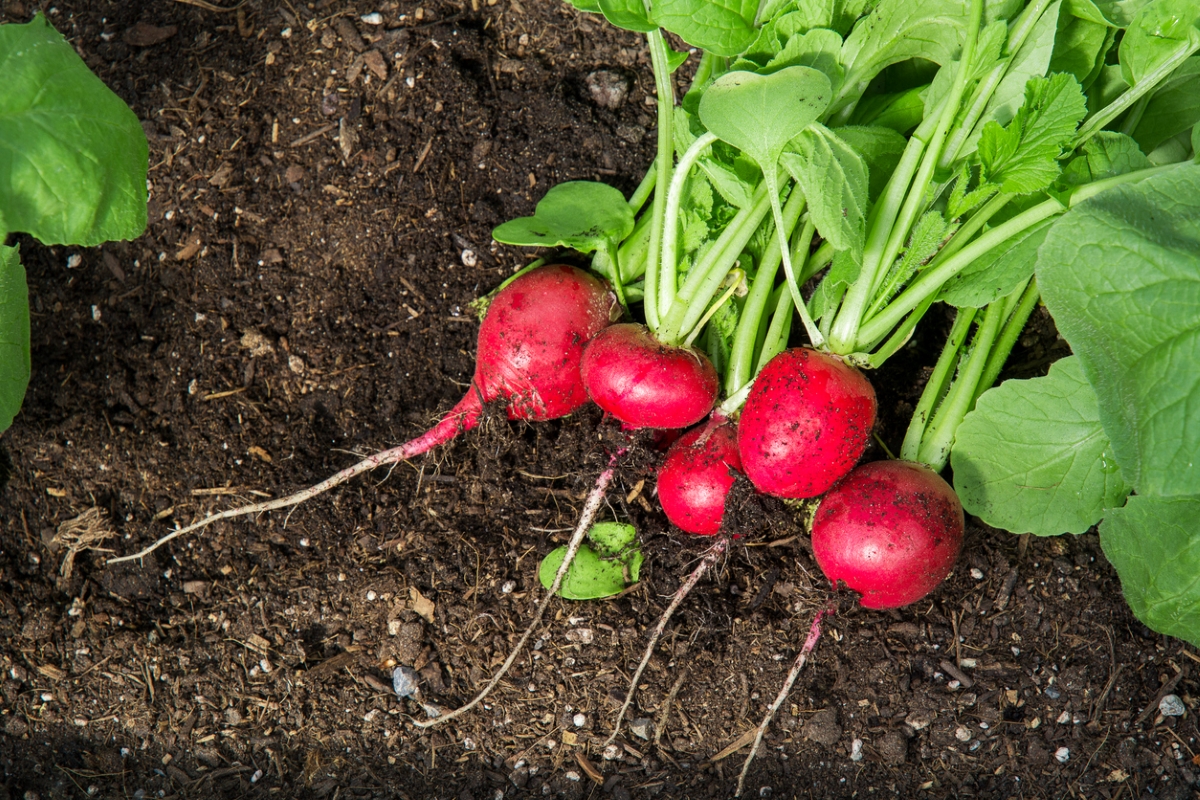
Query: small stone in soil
{"type": "Point", "coordinates": [1062, 755]}
{"type": "Point", "coordinates": [641, 728]}
{"type": "Point", "coordinates": [608, 88]}
{"type": "Point", "coordinates": [404, 681]}
{"type": "Point", "coordinates": [1171, 706]}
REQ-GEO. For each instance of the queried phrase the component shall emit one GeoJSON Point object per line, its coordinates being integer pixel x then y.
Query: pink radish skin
{"type": "Point", "coordinates": [696, 475]}
{"type": "Point", "coordinates": [647, 384]}
{"type": "Point", "coordinates": [805, 423]}
{"type": "Point", "coordinates": [890, 531]}
{"type": "Point", "coordinates": [531, 343]}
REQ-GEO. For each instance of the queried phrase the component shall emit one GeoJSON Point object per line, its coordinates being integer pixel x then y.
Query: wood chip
{"type": "Point", "coordinates": [143, 34]}
{"type": "Point", "coordinates": [52, 672]}
{"type": "Point", "coordinates": [421, 604]}
{"type": "Point", "coordinates": [345, 29]}
{"type": "Point", "coordinates": [258, 643]}
{"type": "Point", "coordinates": [330, 666]}
{"type": "Point", "coordinates": [589, 768]}
{"type": "Point", "coordinates": [376, 64]}
{"type": "Point", "coordinates": [743, 740]}
{"type": "Point", "coordinates": [260, 454]}
{"type": "Point", "coordinates": [190, 249]}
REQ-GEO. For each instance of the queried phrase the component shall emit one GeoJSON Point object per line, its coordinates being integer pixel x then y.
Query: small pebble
{"type": "Point", "coordinates": [404, 681]}
{"type": "Point", "coordinates": [469, 259]}
{"type": "Point", "coordinates": [962, 734]}
{"type": "Point", "coordinates": [507, 587]}
{"type": "Point", "coordinates": [856, 753]}
{"type": "Point", "coordinates": [1171, 706]}
{"type": "Point", "coordinates": [977, 573]}
{"type": "Point", "coordinates": [580, 720]}
{"type": "Point", "coordinates": [1062, 755]}
{"type": "Point", "coordinates": [1052, 693]}
{"type": "Point", "coordinates": [374, 18]}
{"type": "Point", "coordinates": [641, 728]}
{"type": "Point", "coordinates": [917, 721]}
{"type": "Point", "coordinates": [612, 752]}
{"type": "Point", "coordinates": [257, 776]}
{"type": "Point", "coordinates": [1064, 718]}
{"type": "Point", "coordinates": [572, 775]}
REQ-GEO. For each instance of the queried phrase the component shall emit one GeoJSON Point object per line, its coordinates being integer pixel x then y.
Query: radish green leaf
{"type": "Point", "coordinates": [1152, 543]}
{"type": "Point", "coordinates": [14, 333]}
{"type": "Point", "coordinates": [607, 564]}
{"type": "Point", "coordinates": [1033, 458]}
{"type": "Point", "coordinates": [1023, 157]}
{"type": "Point", "coordinates": [579, 214]}
{"type": "Point", "coordinates": [1119, 273]}
{"type": "Point", "coordinates": [73, 157]}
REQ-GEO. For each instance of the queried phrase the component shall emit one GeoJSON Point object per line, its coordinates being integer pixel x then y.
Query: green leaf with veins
{"type": "Point", "coordinates": [997, 273]}
{"type": "Point", "coordinates": [722, 27]}
{"type": "Point", "coordinates": [899, 30]}
{"type": "Point", "coordinates": [1120, 275]}
{"type": "Point", "coordinates": [14, 332]}
{"type": "Point", "coordinates": [627, 14]}
{"type": "Point", "coordinates": [1158, 30]}
{"type": "Point", "coordinates": [606, 564]}
{"type": "Point", "coordinates": [732, 188]}
{"type": "Point", "coordinates": [1105, 155]}
{"type": "Point", "coordinates": [820, 49]}
{"type": "Point", "coordinates": [582, 215]}
{"type": "Point", "coordinates": [589, 6]}
{"type": "Point", "coordinates": [1152, 543]}
{"type": "Point", "coordinates": [1032, 456]}
{"type": "Point", "coordinates": [1023, 157]}
{"type": "Point", "coordinates": [1079, 48]}
{"type": "Point", "coordinates": [1031, 61]}
{"type": "Point", "coordinates": [73, 157]}
{"type": "Point", "coordinates": [833, 177]}
{"type": "Point", "coordinates": [1174, 107]}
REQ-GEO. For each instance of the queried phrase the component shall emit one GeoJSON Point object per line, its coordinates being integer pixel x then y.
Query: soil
{"type": "Point", "coordinates": [323, 190]}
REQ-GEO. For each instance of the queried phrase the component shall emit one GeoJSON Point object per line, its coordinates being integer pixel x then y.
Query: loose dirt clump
{"type": "Point", "coordinates": [322, 194]}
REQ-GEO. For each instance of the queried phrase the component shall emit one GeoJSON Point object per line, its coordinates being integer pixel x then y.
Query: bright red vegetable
{"type": "Point", "coordinates": [891, 531]}
{"type": "Point", "coordinates": [531, 343]}
{"type": "Point", "coordinates": [805, 423]}
{"type": "Point", "coordinates": [696, 476]}
{"type": "Point", "coordinates": [647, 384]}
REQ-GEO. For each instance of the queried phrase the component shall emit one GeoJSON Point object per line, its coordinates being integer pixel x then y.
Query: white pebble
{"type": "Point", "coordinates": [1062, 755]}
{"type": "Point", "coordinates": [507, 587]}
{"type": "Point", "coordinates": [371, 596]}
{"type": "Point", "coordinates": [856, 753]}
{"type": "Point", "coordinates": [612, 752]}
{"type": "Point", "coordinates": [572, 775]}
{"type": "Point", "coordinates": [469, 259]}
{"type": "Point", "coordinates": [962, 734]}
{"type": "Point", "coordinates": [977, 573]}
{"type": "Point", "coordinates": [1171, 706]}
{"type": "Point", "coordinates": [374, 18]}
{"type": "Point", "coordinates": [257, 776]}
{"type": "Point", "coordinates": [580, 720]}
{"type": "Point", "coordinates": [1064, 718]}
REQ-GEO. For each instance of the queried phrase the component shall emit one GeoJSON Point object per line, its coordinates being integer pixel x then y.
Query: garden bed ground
{"type": "Point", "coordinates": [301, 297]}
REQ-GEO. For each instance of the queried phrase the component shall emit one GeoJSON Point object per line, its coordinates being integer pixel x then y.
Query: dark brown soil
{"type": "Point", "coordinates": [300, 297]}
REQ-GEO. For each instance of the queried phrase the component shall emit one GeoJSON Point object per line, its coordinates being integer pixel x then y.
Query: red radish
{"type": "Point", "coordinates": [530, 346]}
{"type": "Point", "coordinates": [805, 423]}
{"type": "Point", "coordinates": [647, 384]}
{"type": "Point", "coordinates": [891, 531]}
{"type": "Point", "coordinates": [696, 476]}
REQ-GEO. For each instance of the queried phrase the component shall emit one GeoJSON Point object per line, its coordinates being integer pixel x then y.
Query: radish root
{"type": "Point", "coordinates": [594, 499]}
{"type": "Point", "coordinates": [814, 635]}
{"type": "Point", "coordinates": [710, 557]}
{"type": "Point", "coordinates": [462, 417]}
